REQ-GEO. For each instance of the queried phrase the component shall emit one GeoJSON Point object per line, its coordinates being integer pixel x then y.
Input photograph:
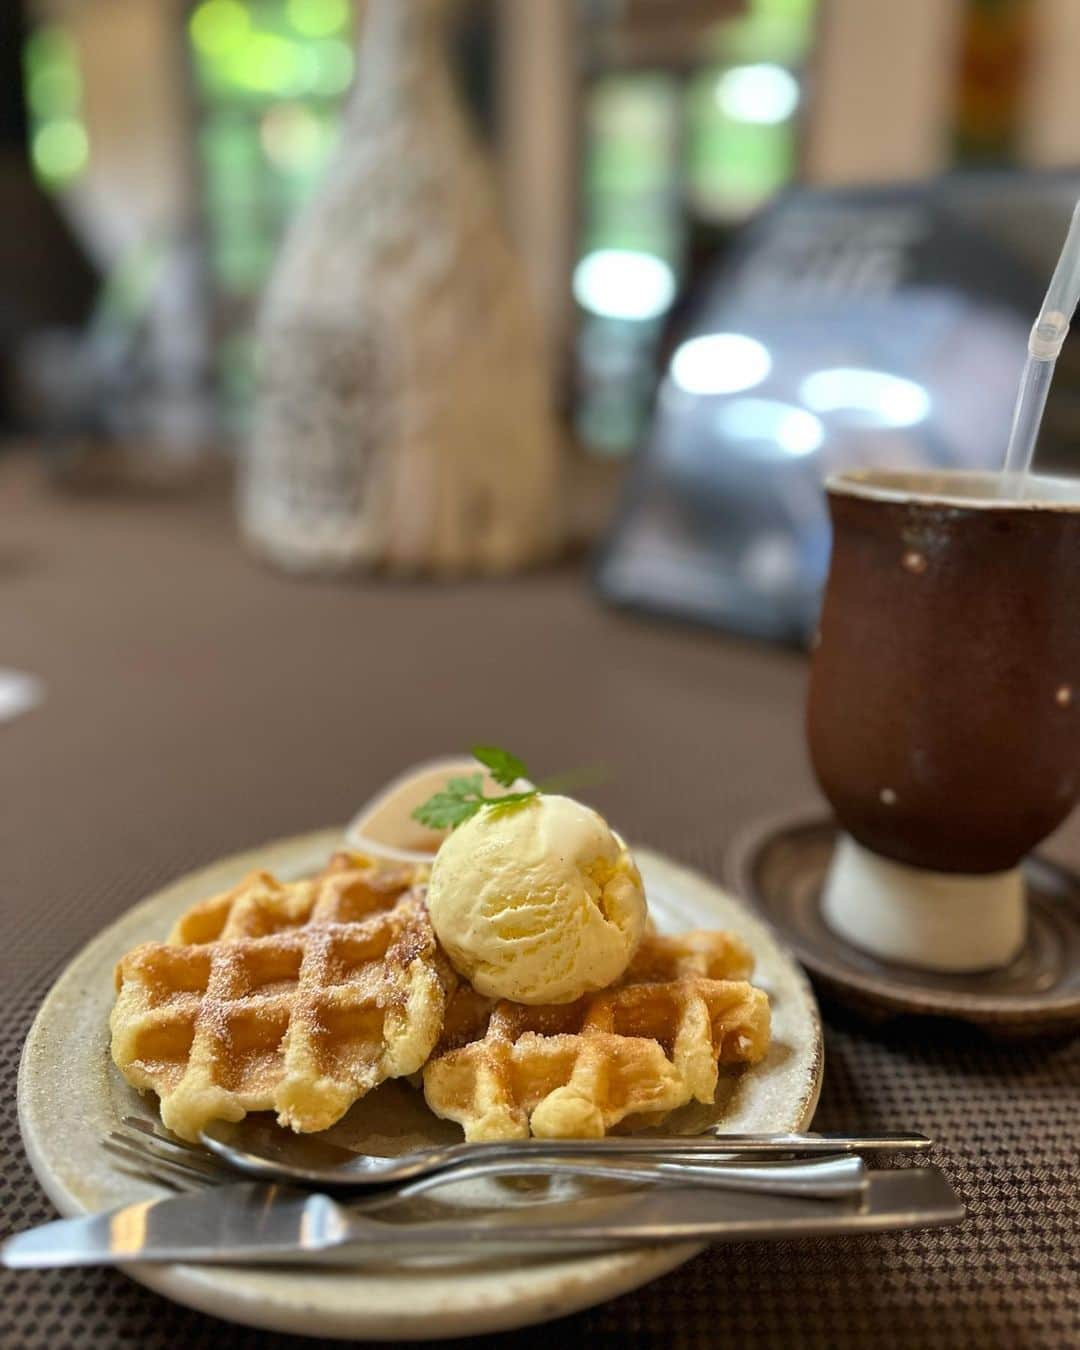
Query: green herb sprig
{"type": "Point", "coordinates": [463, 797]}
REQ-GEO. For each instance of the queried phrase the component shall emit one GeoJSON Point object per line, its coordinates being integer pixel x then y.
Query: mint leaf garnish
{"type": "Point", "coordinates": [504, 767]}
{"type": "Point", "coordinates": [462, 797]}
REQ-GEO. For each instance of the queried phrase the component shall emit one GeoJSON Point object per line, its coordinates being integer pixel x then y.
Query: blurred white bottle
{"type": "Point", "coordinates": [402, 416]}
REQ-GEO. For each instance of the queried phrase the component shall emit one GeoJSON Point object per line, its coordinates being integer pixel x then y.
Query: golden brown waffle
{"type": "Point", "coordinates": [642, 1048]}
{"type": "Point", "coordinates": [294, 998]}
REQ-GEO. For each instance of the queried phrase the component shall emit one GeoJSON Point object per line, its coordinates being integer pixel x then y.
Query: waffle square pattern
{"type": "Point", "coordinates": [297, 998]}
{"type": "Point", "coordinates": [640, 1049]}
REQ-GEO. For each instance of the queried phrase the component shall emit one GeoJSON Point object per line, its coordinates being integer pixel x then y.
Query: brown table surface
{"type": "Point", "coordinates": [198, 704]}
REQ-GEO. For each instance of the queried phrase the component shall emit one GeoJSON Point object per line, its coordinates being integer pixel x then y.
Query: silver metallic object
{"type": "Point", "coordinates": [250, 1223]}
{"type": "Point", "coordinates": [272, 1154]}
{"type": "Point", "coordinates": [832, 1177]}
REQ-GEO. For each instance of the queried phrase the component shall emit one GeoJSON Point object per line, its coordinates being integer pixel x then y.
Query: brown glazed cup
{"type": "Point", "coordinates": [944, 708]}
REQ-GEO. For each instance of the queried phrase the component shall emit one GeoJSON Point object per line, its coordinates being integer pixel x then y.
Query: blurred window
{"type": "Point", "coordinates": [270, 76]}
{"type": "Point", "coordinates": [59, 148]}
{"type": "Point", "coordinates": [631, 247]}
{"type": "Point", "coordinates": [678, 150]}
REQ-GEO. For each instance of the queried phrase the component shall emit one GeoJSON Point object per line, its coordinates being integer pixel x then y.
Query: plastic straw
{"type": "Point", "coordinates": [1047, 337]}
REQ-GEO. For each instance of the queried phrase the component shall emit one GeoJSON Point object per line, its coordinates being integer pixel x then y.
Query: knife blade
{"type": "Point", "coordinates": [255, 1224]}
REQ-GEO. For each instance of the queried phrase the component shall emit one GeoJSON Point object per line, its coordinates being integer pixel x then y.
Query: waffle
{"type": "Point", "coordinates": [296, 998]}
{"type": "Point", "coordinates": [651, 1043]}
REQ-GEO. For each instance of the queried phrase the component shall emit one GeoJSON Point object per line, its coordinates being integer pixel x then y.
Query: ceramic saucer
{"type": "Point", "coordinates": [779, 866]}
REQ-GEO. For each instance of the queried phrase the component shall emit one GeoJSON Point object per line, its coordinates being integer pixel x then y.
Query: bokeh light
{"type": "Point", "coordinates": [767, 421]}
{"type": "Point", "coordinates": [621, 283]}
{"type": "Point", "coordinates": [318, 18]}
{"type": "Point", "coordinates": [219, 27]}
{"type": "Point", "coordinates": [874, 396]}
{"type": "Point", "coordinates": [53, 86]}
{"type": "Point", "coordinates": [292, 136]}
{"type": "Point", "coordinates": [266, 64]}
{"type": "Point", "coordinates": [763, 92]}
{"type": "Point", "coordinates": [334, 64]}
{"type": "Point", "coordinates": [720, 363]}
{"type": "Point", "coordinates": [60, 150]}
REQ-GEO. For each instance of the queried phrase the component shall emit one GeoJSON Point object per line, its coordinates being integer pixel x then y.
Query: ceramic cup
{"type": "Point", "coordinates": [944, 709]}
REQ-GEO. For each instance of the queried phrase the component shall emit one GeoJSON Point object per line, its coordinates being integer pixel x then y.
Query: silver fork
{"type": "Point", "coordinates": [180, 1165]}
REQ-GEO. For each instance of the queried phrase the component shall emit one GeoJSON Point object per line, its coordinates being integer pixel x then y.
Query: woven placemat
{"type": "Point", "coordinates": [196, 705]}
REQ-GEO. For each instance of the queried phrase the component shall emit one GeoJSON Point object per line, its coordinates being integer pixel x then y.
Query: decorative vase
{"type": "Point", "coordinates": [402, 417]}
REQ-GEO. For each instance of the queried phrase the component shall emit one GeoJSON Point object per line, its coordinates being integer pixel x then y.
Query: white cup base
{"type": "Point", "coordinates": [939, 921]}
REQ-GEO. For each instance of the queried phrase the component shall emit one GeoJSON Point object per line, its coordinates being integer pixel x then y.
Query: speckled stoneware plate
{"type": "Point", "coordinates": [70, 1095]}
{"type": "Point", "coordinates": [779, 866]}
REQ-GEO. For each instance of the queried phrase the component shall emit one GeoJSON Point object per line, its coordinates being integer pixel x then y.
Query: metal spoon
{"type": "Point", "coordinates": [280, 1156]}
{"type": "Point", "coordinates": [838, 1177]}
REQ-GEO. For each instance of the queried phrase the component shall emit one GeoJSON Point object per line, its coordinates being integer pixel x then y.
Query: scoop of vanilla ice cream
{"type": "Point", "coordinates": [538, 903]}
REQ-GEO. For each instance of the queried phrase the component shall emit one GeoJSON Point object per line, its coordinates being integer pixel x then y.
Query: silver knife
{"type": "Point", "coordinates": [256, 1224]}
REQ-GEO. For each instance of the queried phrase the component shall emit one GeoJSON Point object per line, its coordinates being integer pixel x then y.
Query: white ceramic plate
{"type": "Point", "coordinates": [70, 1095]}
